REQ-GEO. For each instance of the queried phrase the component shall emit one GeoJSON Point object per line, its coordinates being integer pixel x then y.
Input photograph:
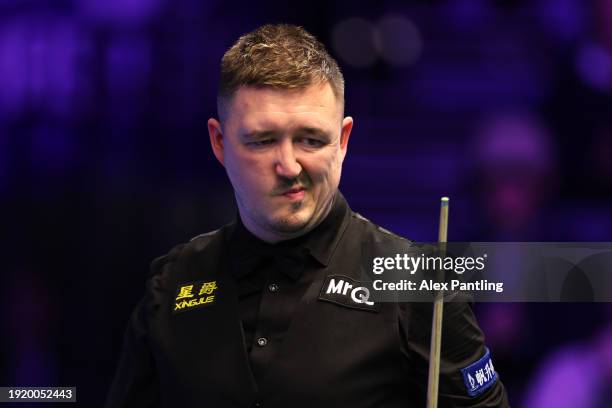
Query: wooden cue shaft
{"type": "Point", "coordinates": [436, 324]}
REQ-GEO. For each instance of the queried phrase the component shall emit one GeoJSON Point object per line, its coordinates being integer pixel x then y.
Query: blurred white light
{"type": "Point", "coordinates": [353, 41]}
{"type": "Point", "coordinates": [398, 40]}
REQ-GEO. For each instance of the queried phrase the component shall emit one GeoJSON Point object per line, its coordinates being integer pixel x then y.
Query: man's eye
{"type": "Point", "coordinates": [260, 143]}
{"type": "Point", "coordinates": [311, 142]}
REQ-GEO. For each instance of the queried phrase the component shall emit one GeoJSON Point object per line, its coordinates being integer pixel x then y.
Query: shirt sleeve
{"type": "Point", "coordinates": [136, 382]}
{"type": "Point", "coordinates": [462, 346]}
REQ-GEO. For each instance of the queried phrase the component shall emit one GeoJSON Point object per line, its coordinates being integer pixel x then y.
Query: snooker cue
{"type": "Point", "coordinates": [436, 324]}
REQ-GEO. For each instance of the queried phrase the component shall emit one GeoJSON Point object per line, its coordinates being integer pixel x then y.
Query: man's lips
{"type": "Point", "coordinates": [295, 193]}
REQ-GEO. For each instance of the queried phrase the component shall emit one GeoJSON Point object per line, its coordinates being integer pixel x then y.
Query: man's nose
{"type": "Point", "coordinates": [287, 164]}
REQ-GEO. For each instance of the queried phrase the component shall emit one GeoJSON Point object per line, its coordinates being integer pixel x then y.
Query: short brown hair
{"type": "Point", "coordinates": [278, 56]}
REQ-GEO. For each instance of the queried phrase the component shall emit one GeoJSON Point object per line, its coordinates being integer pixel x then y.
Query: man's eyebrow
{"type": "Point", "coordinates": [303, 131]}
{"type": "Point", "coordinates": [259, 134]}
{"type": "Point", "coordinates": [311, 131]}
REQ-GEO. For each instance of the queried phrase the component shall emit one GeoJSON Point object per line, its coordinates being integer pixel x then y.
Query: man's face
{"type": "Point", "coordinates": [283, 153]}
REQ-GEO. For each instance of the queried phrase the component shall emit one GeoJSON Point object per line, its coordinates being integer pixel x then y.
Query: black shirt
{"type": "Point", "coordinates": [194, 340]}
{"type": "Point", "coordinates": [272, 279]}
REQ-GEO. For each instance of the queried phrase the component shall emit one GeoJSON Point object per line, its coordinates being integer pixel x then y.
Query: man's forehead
{"type": "Point", "coordinates": [314, 96]}
{"type": "Point", "coordinates": [277, 124]}
{"type": "Point", "coordinates": [314, 106]}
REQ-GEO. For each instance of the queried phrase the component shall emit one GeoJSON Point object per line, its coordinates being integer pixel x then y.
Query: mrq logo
{"type": "Point", "coordinates": [359, 294]}
{"type": "Point", "coordinates": [347, 292]}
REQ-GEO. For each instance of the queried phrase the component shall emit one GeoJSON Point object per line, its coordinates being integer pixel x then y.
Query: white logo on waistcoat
{"type": "Point", "coordinates": [359, 294]}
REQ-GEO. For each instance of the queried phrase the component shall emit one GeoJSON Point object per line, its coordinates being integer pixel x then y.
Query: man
{"type": "Point", "coordinates": [246, 315]}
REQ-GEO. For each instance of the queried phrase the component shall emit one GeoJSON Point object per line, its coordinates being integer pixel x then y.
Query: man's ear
{"type": "Point", "coordinates": [345, 134]}
{"type": "Point", "coordinates": [216, 139]}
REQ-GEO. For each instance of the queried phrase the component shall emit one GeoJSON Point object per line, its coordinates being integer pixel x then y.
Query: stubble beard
{"type": "Point", "coordinates": [291, 223]}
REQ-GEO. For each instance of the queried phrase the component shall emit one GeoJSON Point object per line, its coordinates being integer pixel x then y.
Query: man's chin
{"type": "Point", "coordinates": [291, 224]}
{"type": "Point", "coordinates": [288, 226]}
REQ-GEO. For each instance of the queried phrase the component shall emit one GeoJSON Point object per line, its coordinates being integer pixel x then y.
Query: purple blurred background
{"type": "Point", "coordinates": [505, 106]}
